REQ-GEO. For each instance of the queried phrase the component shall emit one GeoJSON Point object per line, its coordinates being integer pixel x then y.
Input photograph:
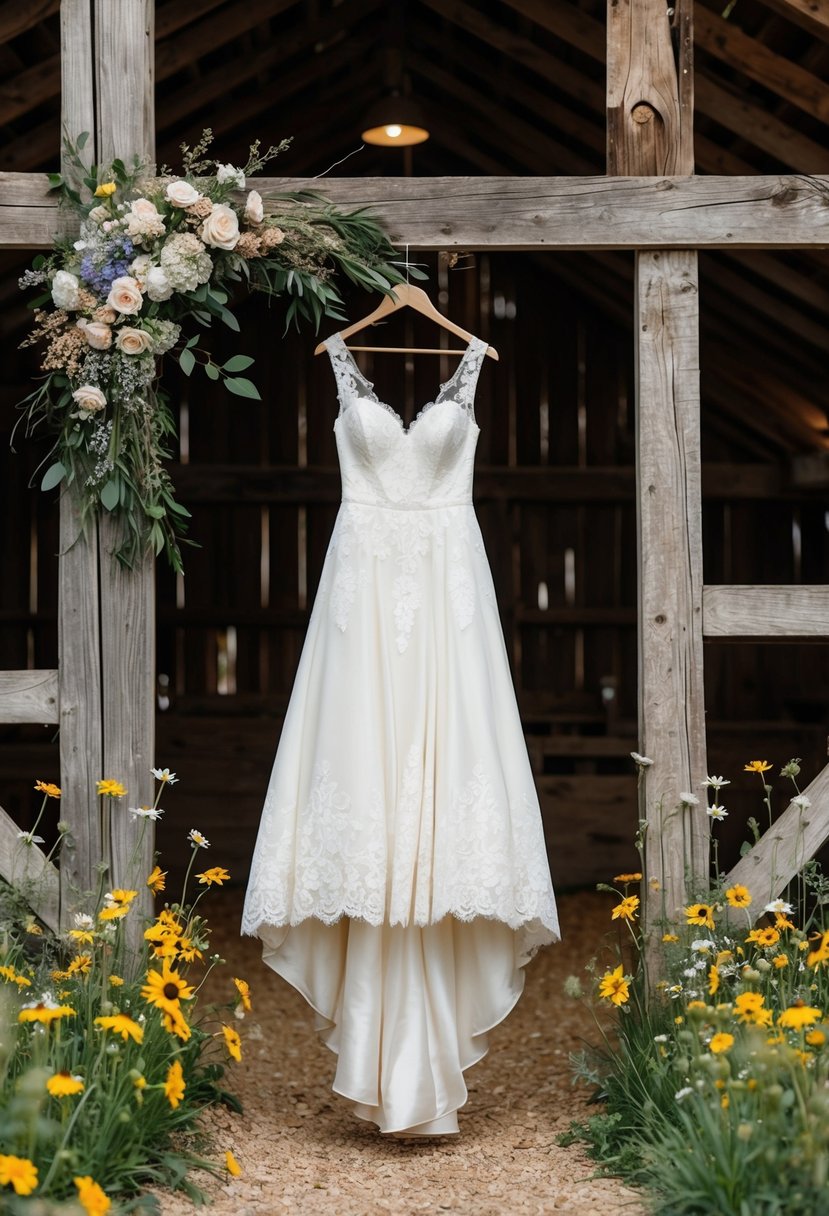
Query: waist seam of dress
{"type": "Point", "coordinates": [410, 506]}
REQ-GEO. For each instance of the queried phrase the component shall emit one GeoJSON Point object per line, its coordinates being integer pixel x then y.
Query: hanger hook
{"type": "Point", "coordinates": [407, 263]}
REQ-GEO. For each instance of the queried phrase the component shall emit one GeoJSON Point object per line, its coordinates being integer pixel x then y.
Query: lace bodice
{"type": "Point", "coordinates": [383, 462]}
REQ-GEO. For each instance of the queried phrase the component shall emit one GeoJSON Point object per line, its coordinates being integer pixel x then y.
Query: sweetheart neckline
{"type": "Point", "coordinates": [424, 409]}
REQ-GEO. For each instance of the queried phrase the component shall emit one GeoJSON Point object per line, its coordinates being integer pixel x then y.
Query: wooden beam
{"type": "Point", "coordinates": [786, 846]}
{"type": "Point", "coordinates": [29, 696]}
{"type": "Point", "coordinates": [514, 213]}
{"type": "Point", "coordinates": [811, 15]}
{"type": "Point", "coordinates": [26, 866]}
{"type": "Point", "coordinates": [17, 18]}
{"type": "Point", "coordinates": [124, 58]}
{"type": "Point", "coordinates": [727, 42]}
{"type": "Point", "coordinates": [771, 613]}
{"type": "Point", "coordinates": [741, 115]}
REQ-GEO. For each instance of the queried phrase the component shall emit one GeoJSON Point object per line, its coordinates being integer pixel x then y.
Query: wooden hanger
{"type": "Point", "coordinates": [405, 295]}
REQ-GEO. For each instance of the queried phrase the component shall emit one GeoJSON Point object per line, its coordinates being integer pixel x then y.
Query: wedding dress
{"type": "Point", "coordinates": [399, 879]}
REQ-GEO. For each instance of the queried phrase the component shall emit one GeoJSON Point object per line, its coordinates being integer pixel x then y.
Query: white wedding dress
{"type": "Point", "coordinates": [400, 880]}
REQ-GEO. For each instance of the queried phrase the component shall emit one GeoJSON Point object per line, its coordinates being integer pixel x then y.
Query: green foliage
{"type": "Point", "coordinates": [714, 1078]}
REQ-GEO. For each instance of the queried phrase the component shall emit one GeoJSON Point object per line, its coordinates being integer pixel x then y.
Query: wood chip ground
{"type": "Point", "coordinates": [302, 1151]}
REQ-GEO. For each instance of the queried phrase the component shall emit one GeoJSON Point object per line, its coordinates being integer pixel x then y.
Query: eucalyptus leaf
{"type": "Point", "coordinates": [238, 363]}
{"type": "Point", "coordinates": [109, 495]}
{"type": "Point", "coordinates": [242, 387]}
{"type": "Point", "coordinates": [53, 476]}
{"type": "Point", "coordinates": [187, 361]}
{"type": "Point", "coordinates": [211, 371]}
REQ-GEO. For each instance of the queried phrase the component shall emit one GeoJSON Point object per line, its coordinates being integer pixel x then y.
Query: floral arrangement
{"type": "Point", "coordinates": [716, 1082]}
{"type": "Point", "coordinates": [156, 258]}
{"type": "Point", "coordinates": [104, 1061]}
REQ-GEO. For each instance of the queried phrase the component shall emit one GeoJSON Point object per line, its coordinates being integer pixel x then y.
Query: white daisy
{"type": "Point", "coordinates": [29, 837]}
{"type": "Point", "coordinates": [201, 842]}
{"type": "Point", "coordinates": [714, 783]}
{"type": "Point", "coordinates": [688, 799]}
{"type": "Point", "coordinates": [717, 812]}
{"type": "Point", "coordinates": [683, 1093]}
{"type": "Point", "coordinates": [801, 800]}
{"type": "Point", "coordinates": [146, 812]}
{"type": "Point", "coordinates": [780, 906]}
{"type": "Point", "coordinates": [164, 775]}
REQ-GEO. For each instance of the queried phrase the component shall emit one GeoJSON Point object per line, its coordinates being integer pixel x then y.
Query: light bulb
{"type": "Point", "coordinates": [394, 130]}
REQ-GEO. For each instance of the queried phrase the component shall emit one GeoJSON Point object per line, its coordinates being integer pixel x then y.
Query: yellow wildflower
{"type": "Point", "coordinates": [217, 875]}
{"type": "Point", "coordinates": [116, 981]}
{"type": "Point", "coordinates": [119, 1023]}
{"type": "Point", "coordinates": [156, 880]}
{"type": "Point", "coordinates": [114, 912]}
{"type": "Point", "coordinates": [626, 910]}
{"type": "Point", "coordinates": [18, 1172]}
{"type": "Point", "coordinates": [232, 1042]}
{"type": "Point", "coordinates": [79, 965]}
{"type": "Point", "coordinates": [820, 954]}
{"type": "Point", "coordinates": [781, 921]}
{"type": "Point", "coordinates": [628, 877]}
{"type": "Point", "coordinates": [45, 1014]}
{"type": "Point", "coordinates": [738, 896]}
{"type": "Point", "coordinates": [121, 896]}
{"type": "Point", "coordinates": [244, 992]}
{"type": "Point", "coordinates": [700, 914]}
{"type": "Point", "coordinates": [82, 936]}
{"type": "Point", "coordinates": [614, 987]}
{"type": "Point", "coordinates": [165, 989]}
{"type": "Point", "coordinates": [815, 1038]}
{"type": "Point", "coordinates": [174, 1086]}
{"type": "Point", "coordinates": [63, 1084]}
{"type": "Point", "coordinates": [757, 766]}
{"type": "Point", "coordinates": [93, 1200]}
{"type": "Point", "coordinates": [799, 1015]}
{"type": "Point", "coordinates": [9, 973]}
{"type": "Point", "coordinates": [721, 1043]}
{"type": "Point", "coordinates": [47, 788]}
{"type": "Point", "coordinates": [105, 189]}
{"type": "Point", "coordinates": [232, 1165]}
{"type": "Point", "coordinates": [750, 1007]}
{"type": "Point", "coordinates": [111, 789]}
{"type": "Point", "coordinates": [764, 938]}
{"type": "Point", "coordinates": [174, 1023]}
{"type": "Point", "coordinates": [713, 980]}
{"type": "Point", "coordinates": [780, 960]}
{"type": "Point", "coordinates": [670, 937]}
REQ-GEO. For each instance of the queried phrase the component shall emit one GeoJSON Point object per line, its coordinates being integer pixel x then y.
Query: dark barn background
{"type": "Point", "coordinates": [507, 88]}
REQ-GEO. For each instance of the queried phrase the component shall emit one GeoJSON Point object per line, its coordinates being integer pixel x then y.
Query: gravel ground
{"type": "Point", "coordinates": [301, 1150]}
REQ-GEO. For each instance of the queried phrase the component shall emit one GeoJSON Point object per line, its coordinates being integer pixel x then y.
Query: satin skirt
{"type": "Point", "coordinates": [406, 1008]}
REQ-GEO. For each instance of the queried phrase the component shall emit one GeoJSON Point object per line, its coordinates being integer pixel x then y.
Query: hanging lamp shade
{"type": "Point", "coordinates": [395, 122]}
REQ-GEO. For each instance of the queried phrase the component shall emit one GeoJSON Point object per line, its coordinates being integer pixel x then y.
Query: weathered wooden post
{"type": "Point", "coordinates": [650, 132]}
{"type": "Point", "coordinates": [106, 613]}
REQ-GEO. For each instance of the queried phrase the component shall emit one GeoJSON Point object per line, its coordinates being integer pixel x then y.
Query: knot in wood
{"type": "Point", "coordinates": [643, 112]}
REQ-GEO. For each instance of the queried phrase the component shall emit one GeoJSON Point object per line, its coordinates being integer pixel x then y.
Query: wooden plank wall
{"type": "Point", "coordinates": [230, 632]}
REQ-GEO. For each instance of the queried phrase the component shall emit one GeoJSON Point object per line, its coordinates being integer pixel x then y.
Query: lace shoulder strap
{"type": "Point", "coordinates": [461, 385]}
{"type": "Point", "coordinates": [350, 380]}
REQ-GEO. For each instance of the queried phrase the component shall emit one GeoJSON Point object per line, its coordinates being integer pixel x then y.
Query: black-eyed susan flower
{"type": "Point", "coordinates": [614, 987]}
{"type": "Point", "coordinates": [175, 1023]}
{"type": "Point", "coordinates": [45, 1014]}
{"type": "Point", "coordinates": [174, 1085]}
{"type": "Point", "coordinates": [64, 1085]}
{"type": "Point", "coordinates": [92, 1198]}
{"type": "Point", "coordinates": [215, 876]}
{"type": "Point", "coordinates": [47, 788]}
{"type": "Point", "coordinates": [721, 1043]}
{"type": "Point", "coordinates": [19, 1173]}
{"type": "Point", "coordinates": [765, 938]}
{"type": "Point", "coordinates": [750, 1007]}
{"type": "Point", "coordinates": [108, 788]}
{"type": "Point", "coordinates": [700, 914]}
{"type": "Point", "coordinates": [243, 989]}
{"type": "Point", "coordinates": [165, 989]}
{"type": "Point", "coordinates": [738, 896]}
{"type": "Point", "coordinates": [120, 1023]}
{"type": "Point", "coordinates": [79, 965]}
{"type": "Point", "coordinates": [799, 1015]}
{"type": "Point", "coordinates": [156, 880]}
{"type": "Point", "coordinates": [626, 910]}
{"type": "Point", "coordinates": [820, 954]}
{"type": "Point", "coordinates": [232, 1042]}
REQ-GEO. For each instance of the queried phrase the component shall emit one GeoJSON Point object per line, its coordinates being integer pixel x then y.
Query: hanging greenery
{"type": "Point", "coordinates": [155, 263]}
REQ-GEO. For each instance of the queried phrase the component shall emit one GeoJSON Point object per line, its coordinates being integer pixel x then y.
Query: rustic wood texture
{"type": "Point", "coordinates": [786, 846]}
{"type": "Point", "coordinates": [514, 213]}
{"type": "Point", "coordinates": [767, 611]}
{"type": "Point", "coordinates": [650, 100]}
{"type": "Point", "coordinates": [26, 866]}
{"type": "Point", "coordinates": [29, 696]}
{"type": "Point", "coordinates": [124, 65]}
{"type": "Point", "coordinates": [79, 675]}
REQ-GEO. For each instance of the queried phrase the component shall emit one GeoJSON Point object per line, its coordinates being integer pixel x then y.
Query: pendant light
{"type": "Point", "coordinates": [396, 120]}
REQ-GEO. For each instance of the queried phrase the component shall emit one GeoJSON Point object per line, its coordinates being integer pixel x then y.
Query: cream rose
{"type": "Point", "coordinates": [100, 213]}
{"type": "Point", "coordinates": [125, 295]}
{"type": "Point", "coordinates": [181, 194]}
{"type": "Point", "coordinates": [89, 398]}
{"type": "Point", "coordinates": [98, 335]}
{"type": "Point", "coordinates": [132, 341]}
{"type": "Point", "coordinates": [254, 211]}
{"type": "Point", "coordinates": [107, 315]}
{"type": "Point", "coordinates": [157, 284]}
{"type": "Point", "coordinates": [143, 208]}
{"type": "Point", "coordinates": [221, 228]}
{"type": "Point", "coordinates": [65, 288]}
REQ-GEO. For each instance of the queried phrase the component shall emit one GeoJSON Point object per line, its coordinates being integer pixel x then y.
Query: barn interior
{"type": "Point", "coordinates": [504, 88]}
